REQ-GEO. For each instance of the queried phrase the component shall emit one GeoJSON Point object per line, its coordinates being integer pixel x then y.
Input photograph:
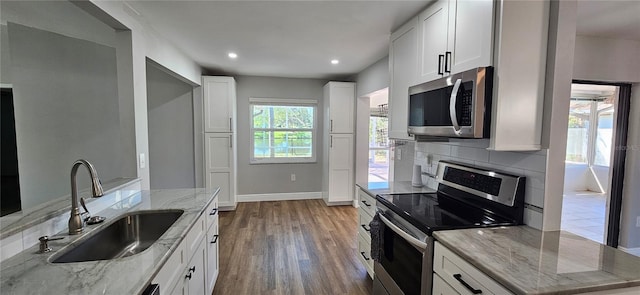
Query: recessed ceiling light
{"type": "Point", "coordinates": [335, 61]}
{"type": "Point", "coordinates": [232, 55]}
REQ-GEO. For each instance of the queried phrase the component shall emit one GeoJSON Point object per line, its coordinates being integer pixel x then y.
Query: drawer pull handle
{"type": "Point", "coordinates": [192, 269]}
{"type": "Point", "coordinates": [365, 227]}
{"type": "Point", "coordinates": [215, 239]}
{"type": "Point", "coordinates": [188, 276]}
{"type": "Point", "coordinates": [365, 257]}
{"type": "Point", "coordinates": [366, 204]}
{"type": "Point", "coordinates": [459, 278]}
{"type": "Point", "coordinates": [213, 211]}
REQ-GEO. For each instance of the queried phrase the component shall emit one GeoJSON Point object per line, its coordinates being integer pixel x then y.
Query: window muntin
{"type": "Point", "coordinates": [283, 131]}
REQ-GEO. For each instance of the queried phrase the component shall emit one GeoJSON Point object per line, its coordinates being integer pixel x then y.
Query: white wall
{"type": "Point", "coordinates": [373, 78]}
{"type": "Point", "coordinates": [276, 178]}
{"type": "Point", "coordinates": [575, 177]}
{"type": "Point", "coordinates": [602, 59]}
{"type": "Point", "coordinates": [171, 144]}
{"type": "Point", "coordinates": [529, 164]}
{"type": "Point", "coordinates": [66, 108]}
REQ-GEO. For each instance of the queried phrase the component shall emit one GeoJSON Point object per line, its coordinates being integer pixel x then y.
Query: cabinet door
{"type": "Point", "coordinates": [341, 107]}
{"type": "Point", "coordinates": [341, 168]}
{"type": "Point", "coordinates": [220, 166]}
{"type": "Point", "coordinates": [212, 243]}
{"type": "Point", "coordinates": [219, 95]}
{"type": "Point", "coordinates": [440, 287]}
{"type": "Point", "coordinates": [433, 27]}
{"type": "Point", "coordinates": [403, 53]}
{"type": "Point", "coordinates": [470, 38]}
{"type": "Point", "coordinates": [196, 282]}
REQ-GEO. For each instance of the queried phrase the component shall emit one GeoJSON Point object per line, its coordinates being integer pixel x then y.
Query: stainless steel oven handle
{"type": "Point", "coordinates": [452, 107]}
{"type": "Point", "coordinates": [412, 240]}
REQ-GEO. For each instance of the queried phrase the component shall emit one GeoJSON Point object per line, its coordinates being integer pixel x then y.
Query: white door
{"type": "Point", "coordinates": [403, 53]}
{"type": "Point", "coordinates": [341, 107]}
{"type": "Point", "coordinates": [219, 166]}
{"type": "Point", "coordinates": [212, 257]}
{"type": "Point", "coordinates": [219, 99]}
{"type": "Point", "coordinates": [433, 27]}
{"type": "Point", "coordinates": [470, 36]}
{"type": "Point", "coordinates": [341, 168]}
{"type": "Point", "coordinates": [195, 269]}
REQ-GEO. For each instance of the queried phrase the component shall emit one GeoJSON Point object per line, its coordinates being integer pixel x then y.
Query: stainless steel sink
{"type": "Point", "coordinates": [128, 235]}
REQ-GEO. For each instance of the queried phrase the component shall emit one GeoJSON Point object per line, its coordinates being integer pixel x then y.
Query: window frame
{"type": "Point", "coordinates": [284, 102]}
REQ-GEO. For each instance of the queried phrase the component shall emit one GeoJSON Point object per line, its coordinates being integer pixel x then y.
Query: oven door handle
{"type": "Point", "coordinates": [453, 113]}
{"type": "Point", "coordinates": [412, 240]}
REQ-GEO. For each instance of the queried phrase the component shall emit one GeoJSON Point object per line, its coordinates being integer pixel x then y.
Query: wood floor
{"type": "Point", "coordinates": [290, 247]}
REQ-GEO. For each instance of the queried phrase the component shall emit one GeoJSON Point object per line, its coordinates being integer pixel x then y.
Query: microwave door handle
{"type": "Point", "coordinates": [413, 241]}
{"type": "Point", "coordinates": [452, 107]}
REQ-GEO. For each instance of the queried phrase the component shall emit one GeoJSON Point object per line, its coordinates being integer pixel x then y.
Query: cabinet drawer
{"type": "Point", "coordinates": [211, 212]}
{"type": "Point", "coordinates": [367, 202]}
{"type": "Point", "coordinates": [171, 272]}
{"type": "Point", "coordinates": [212, 245]}
{"type": "Point", "coordinates": [364, 253]}
{"type": "Point", "coordinates": [363, 224]}
{"type": "Point", "coordinates": [461, 275]}
{"type": "Point", "coordinates": [195, 235]}
{"type": "Point", "coordinates": [440, 287]}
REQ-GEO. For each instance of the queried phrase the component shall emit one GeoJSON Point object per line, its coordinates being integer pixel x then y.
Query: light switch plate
{"type": "Point", "coordinates": [143, 161]}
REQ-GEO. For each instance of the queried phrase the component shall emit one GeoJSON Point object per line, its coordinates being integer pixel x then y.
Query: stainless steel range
{"type": "Point", "coordinates": [467, 197]}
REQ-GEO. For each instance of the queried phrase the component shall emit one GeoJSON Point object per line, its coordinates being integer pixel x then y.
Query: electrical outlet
{"type": "Point", "coordinates": [638, 221]}
{"type": "Point", "coordinates": [399, 155]}
{"type": "Point", "coordinates": [293, 177]}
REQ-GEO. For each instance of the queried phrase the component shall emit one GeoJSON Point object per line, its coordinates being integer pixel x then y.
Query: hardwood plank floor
{"type": "Point", "coordinates": [290, 247]}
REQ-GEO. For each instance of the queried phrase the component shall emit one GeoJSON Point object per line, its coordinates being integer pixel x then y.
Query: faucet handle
{"type": "Point", "coordinates": [44, 246]}
{"type": "Point", "coordinates": [86, 211]}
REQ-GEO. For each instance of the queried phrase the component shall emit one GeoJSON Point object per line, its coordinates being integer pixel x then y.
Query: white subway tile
{"type": "Point", "coordinates": [535, 179]}
{"type": "Point", "coordinates": [439, 149]}
{"type": "Point", "coordinates": [10, 246]}
{"type": "Point", "coordinates": [470, 153]}
{"type": "Point", "coordinates": [477, 143]}
{"type": "Point", "coordinates": [533, 218]}
{"type": "Point", "coordinates": [528, 161]}
{"type": "Point", "coordinates": [534, 196]}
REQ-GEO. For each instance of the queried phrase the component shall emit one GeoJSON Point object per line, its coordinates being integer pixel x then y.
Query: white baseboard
{"type": "Point", "coordinates": [633, 251]}
{"type": "Point", "coordinates": [279, 197]}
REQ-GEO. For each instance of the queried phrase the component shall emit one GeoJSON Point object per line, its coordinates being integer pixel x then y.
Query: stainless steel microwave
{"type": "Point", "coordinates": [457, 106]}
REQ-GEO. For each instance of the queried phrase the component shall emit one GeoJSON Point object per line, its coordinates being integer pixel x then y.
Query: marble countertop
{"type": "Point", "coordinates": [32, 273]}
{"type": "Point", "coordinates": [397, 187]}
{"type": "Point", "coordinates": [528, 261]}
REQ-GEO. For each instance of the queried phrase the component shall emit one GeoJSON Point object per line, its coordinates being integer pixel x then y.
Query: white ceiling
{"type": "Point", "coordinates": [300, 38]}
{"type": "Point", "coordinates": [618, 19]}
{"type": "Point", "coordinates": [280, 38]}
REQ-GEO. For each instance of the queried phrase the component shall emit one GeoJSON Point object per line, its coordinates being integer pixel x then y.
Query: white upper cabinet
{"type": "Point", "coordinates": [433, 30]}
{"type": "Point", "coordinates": [219, 103]}
{"type": "Point", "coordinates": [403, 67]}
{"type": "Point", "coordinates": [341, 97]}
{"type": "Point", "coordinates": [454, 36]}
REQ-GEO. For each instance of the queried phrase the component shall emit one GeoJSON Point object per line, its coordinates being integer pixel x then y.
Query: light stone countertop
{"type": "Point", "coordinates": [397, 187]}
{"type": "Point", "coordinates": [32, 273]}
{"type": "Point", "coordinates": [528, 261]}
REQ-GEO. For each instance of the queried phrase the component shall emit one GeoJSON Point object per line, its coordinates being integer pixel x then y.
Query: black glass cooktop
{"type": "Point", "coordinates": [435, 211]}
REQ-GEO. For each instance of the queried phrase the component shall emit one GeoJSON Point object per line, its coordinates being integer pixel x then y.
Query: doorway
{"type": "Point", "coordinates": [378, 163]}
{"type": "Point", "coordinates": [598, 117]}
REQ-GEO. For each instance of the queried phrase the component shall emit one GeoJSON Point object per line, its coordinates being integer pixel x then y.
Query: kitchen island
{"type": "Point", "coordinates": [32, 273]}
{"type": "Point", "coordinates": [528, 261]}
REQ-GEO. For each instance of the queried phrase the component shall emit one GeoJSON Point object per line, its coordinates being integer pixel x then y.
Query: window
{"type": "Point", "coordinates": [590, 132]}
{"type": "Point", "coordinates": [283, 130]}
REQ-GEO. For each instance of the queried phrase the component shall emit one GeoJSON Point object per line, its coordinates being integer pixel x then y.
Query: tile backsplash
{"type": "Point", "coordinates": [532, 165]}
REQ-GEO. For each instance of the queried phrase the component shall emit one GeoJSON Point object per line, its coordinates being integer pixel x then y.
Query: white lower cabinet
{"type": "Point", "coordinates": [460, 275]}
{"type": "Point", "coordinates": [212, 257]}
{"type": "Point", "coordinates": [193, 267]}
{"type": "Point", "coordinates": [364, 231]}
{"type": "Point", "coordinates": [440, 287]}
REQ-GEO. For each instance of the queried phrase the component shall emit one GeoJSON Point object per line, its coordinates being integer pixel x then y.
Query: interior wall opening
{"type": "Point", "coordinates": [379, 152]}
{"type": "Point", "coordinates": [590, 138]}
